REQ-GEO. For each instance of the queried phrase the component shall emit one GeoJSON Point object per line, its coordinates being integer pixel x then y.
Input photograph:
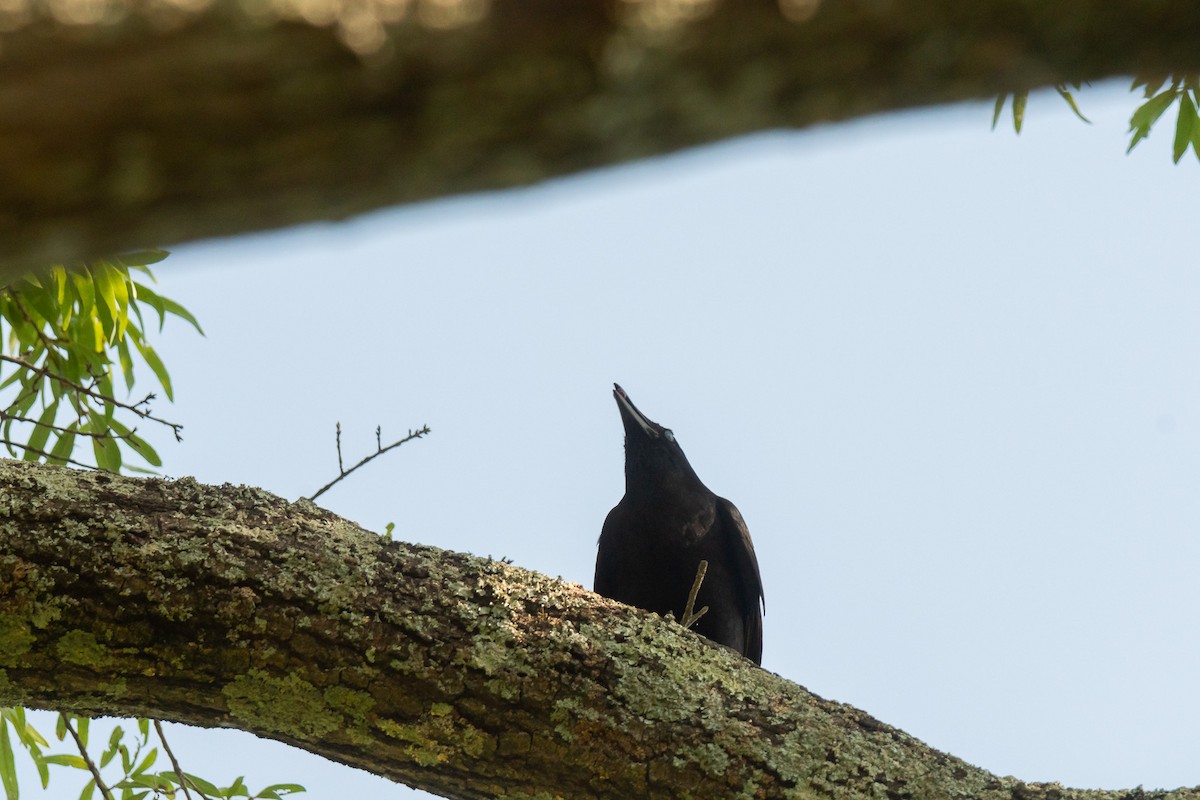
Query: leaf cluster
{"type": "Point", "coordinates": [70, 336]}
{"type": "Point", "coordinates": [1019, 100]}
{"type": "Point", "coordinates": [129, 761]}
{"type": "Point", "coordinates": [1160, 94]}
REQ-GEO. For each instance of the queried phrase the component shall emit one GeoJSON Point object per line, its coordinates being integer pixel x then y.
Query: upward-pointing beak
{"type": "Point", "coordinates": [629, 413]}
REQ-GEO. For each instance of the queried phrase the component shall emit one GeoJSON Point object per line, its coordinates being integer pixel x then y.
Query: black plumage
{"type": "Point", "coordinates": [668, 521]}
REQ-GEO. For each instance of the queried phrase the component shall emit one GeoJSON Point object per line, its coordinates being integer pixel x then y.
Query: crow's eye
{"type": "Point", "coordinates": [668, 435]}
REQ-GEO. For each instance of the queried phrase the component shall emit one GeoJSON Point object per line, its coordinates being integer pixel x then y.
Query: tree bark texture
{"type": "Point", "coordinates": [228, 606]}
{"type": "Point", "coordinates": [135, 123]}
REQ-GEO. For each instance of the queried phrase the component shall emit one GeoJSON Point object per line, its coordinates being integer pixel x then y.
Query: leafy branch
{"type": "Point", "coordinates": [69, 336]}
{"type": "Point", "coordinates": [1182, 89]}
{"type": "Point", "coordinates": [135, 779]}
{"type": "Point", "coordinates": [184, 780]}
{"type": "Point", "coordinates": [97, 779]}
{"type": "Point", "coordinates": [1159, 93]}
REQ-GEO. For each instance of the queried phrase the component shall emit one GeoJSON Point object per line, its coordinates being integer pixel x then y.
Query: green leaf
{"type": "Point", "coordinates": [104, 386]}
{"type": "Point", "coordinates": [67, 760]}
{"type": "Point", "coordinates": [142, 258]}
{"type": "Point", "coordinates": [174, 308]}
{"type": "Point", "coordinates": [150, 781]}
{"type": "Point", "coordinates": [1184, 125]}
{"type": "Point", "coordinates": [30, 738]}
{"type": "Point", "coordinates": [30, 734]}
{"type": "Point", "coordinates": [1196, 140]}
{"type": "Point", "coordinates": [132, 469]}
{"type": "Point", "coordinates": [106, 281]}
{"type": "Point", "coordinates": [40, 305]}
{"type": "Point", "coordinates": [88, 790]}
{"type": "Point", "coordinates": [143, 449]}
{"type": "Point", "coordinates": [147, 762]}
{"type": "Point", "coordinates": [1066, 95]}
{"type": "Point", "coordinates": [277, 790]}
{"type": "Point", "coordinates": [126, 362]}
{"type": "Point", "coordinates": [114, 739]}
{"type": "Point", "coordinates": [150, 297]}
{"type": "Point", "coordinates": [1146, 115]}
{"type": "Point", "coordinates": [1019, 100]}
{"type": "Point", "coordinates": [143, 723]}
{"type": "Point", "coordinates": [996, 111]}
{"type": "Point", "coordinates": [41, 432]}
{"type": "Point", "coordinates": [1152, 85]}
{"type": "Point", "coordinates": [86, 290]}
{"type": "Point", "coordinates": [93, 332]}
{"type": "Point", "coordinates": [201, 784]}
{"type": "Point", "coordinates": [58, 276]}
{"type": "Point", "coordinates": [39, 763]}
{"type": "Point", "coordinates": [60, 453]}
{"type": "Point", "coordinates": [8, 767]}
{"type": "Point", "coordinates": [22, 404]}
{"type": "Point", "coordinates": [156, 364]}
{"type": "Point", "coordinates": [107, 454]}
{"type": "Point", "coordinates": [84, 725]}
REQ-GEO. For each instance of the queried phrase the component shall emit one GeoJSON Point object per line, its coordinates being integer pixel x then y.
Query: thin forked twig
{"type": "Point", "coordinates": [690, 615]}
{"type": "Point", "coordinates": [380, 449]}
{"type": "Point", "coordinates": [144, 413]}
{"type": "Point", "coordinates": [91, 765]}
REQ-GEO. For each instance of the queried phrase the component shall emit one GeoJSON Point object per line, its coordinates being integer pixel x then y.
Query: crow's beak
{"type": "Point", "coordinates": [631, 417]}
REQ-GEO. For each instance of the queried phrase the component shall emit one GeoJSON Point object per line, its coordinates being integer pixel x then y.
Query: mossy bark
{"type": "Point", "coordinates": [132, 123]}
{"type": "Point", "coordinates": [228, 606]}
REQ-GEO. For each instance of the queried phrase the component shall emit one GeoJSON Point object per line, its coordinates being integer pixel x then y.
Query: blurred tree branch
{"type": "Point", "coordinates": [135, 122]}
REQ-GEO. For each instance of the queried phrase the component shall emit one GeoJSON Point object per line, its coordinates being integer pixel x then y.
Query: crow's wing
{"type": "Point", "coordinates": [745, 568]}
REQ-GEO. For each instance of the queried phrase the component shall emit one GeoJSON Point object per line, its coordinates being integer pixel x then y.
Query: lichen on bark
{"type": "Point", "coordinates": [227, 606]}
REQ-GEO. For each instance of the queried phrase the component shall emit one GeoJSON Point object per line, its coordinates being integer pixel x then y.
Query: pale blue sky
{"type": "Point", "coordinates": [950, 377]}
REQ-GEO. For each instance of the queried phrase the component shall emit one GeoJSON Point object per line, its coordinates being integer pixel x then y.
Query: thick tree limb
{"type": "Point", "coordinates": [470, 678]}
{"type": "Point", "coordinates": [127, 123]}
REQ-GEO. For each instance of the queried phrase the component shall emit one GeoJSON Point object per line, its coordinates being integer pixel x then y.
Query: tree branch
{"type": "Point", "coordinates": [380, 449]}
{"type": "Point", "coordinates": [105, 792]}
{"type": "Point", "coordinates": [471, 96]}
{"type": "Point", "coordinates": [13, 445]}
{"type": "Point", "coordinates": [183, 779]}
{"type": "Point", "coordinates": [141, 408]}
{"type": "Point", "coordinates": [469, 678]}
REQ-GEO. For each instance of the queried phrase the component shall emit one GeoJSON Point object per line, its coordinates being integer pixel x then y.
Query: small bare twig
{"type": "Point", "coordinates": [183, 780]}
{"type": "Point", "coordinates": [136, 408]}
{"type": "Point", "coordinates": [91, 765]}
{"type": "Point", "coordinates": [4, 415]}
{"type": "Point", "coordinates": [690, 615]}
{"type": "Point", "coordinates": [379, 450]}
{"type": "Point", "coordinates": [341, 469]}
{"type": "Point", "coordinates": [11, 444]}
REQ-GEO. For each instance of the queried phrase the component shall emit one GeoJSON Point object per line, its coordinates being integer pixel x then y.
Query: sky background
{"type": "Point", "coordinates": [951, 378]}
